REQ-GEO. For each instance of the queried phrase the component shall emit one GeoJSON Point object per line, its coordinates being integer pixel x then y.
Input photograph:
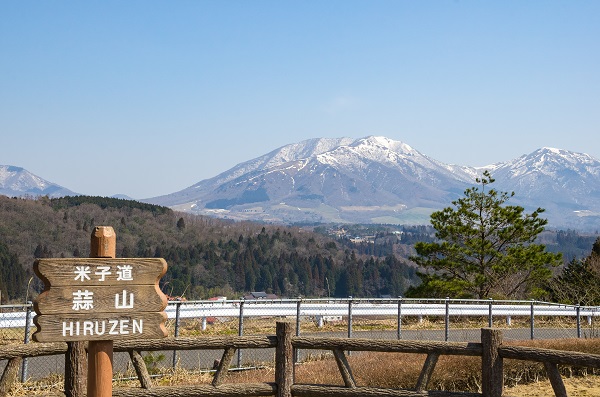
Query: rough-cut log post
{"type": "Point", "coordinates": [75, 369]}
{"type": "Point", "coordinates": [492, 376]}
{"type": "Point", "coordinates": [224, 365]}
{"type": "Point", "coordinates": [284, 359]}
{"type": "Point", "coordinates": [140, 369]}
{"type": "Point", "coordinates": [427, 371]}
{"type": "Point", "coordinates": [344, 367]}
{"type": "Point", "coordinates": [10, 374]}
{"type": "Point", "coordinates": [103, 244]}
{"type": "Point", "coordinates": [555, 379]}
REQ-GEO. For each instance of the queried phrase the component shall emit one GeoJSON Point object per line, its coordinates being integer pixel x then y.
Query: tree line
{"type": "Point", "coordinates": [206, 256]}
{"type": "Point", "coordinates": [480, 247]}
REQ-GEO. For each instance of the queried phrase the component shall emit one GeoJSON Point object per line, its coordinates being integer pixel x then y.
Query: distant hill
{"type": "Point", "coordinates": [18, 182]}
{"type": "Point", "coordinates": [206, 256]}
{"type": "Point", "coordinates": [379, 180]}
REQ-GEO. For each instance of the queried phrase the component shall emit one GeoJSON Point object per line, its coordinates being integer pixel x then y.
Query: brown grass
{"type": "Point", "coordinates": [386, 370]}
{"type": "Point", "coordinates": [398, 370]}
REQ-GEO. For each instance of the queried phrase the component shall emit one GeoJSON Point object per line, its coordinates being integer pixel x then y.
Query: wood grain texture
{"type": "Point", "coordinates": [140, 369]}
{"type": "Point", "coordinates": [301, 390]}
{"type": "Point", "coordinates": [105, 326]}
{"type": "Point", "coordinates": [492, 365]}
{"type": "Point", "coordinates": [10, 375]}
{"type": "Point", "coordinates": [32, 350]}
{"type": "Point", "coordinates": [551, 356]}
{"type": "Point", "coordinates": [61, 272]}
{"type": "Point", "coordinates": [427, 371]}
{"type": "Point", "coordinates": [146, 298]}
{"type": "Point", "coordinates": [555, 380]}
{"type": "Point", "coordinates": [225, 390]}
{"type": "Point", "coordinates": [204, 343]}
{"type": "Point", "coordinates": [383, 345]}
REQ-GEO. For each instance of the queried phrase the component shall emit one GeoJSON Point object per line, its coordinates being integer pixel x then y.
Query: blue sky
{"type": "Point", "coordinates": [146, 98]}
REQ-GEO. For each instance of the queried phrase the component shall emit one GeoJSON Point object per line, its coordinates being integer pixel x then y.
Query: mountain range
{"type": "Point", "coordinates": [379, 180]}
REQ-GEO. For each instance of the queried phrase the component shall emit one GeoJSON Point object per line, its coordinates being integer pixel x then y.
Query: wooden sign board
{"type": "Point", "coordinates": [108, 326]}
{"type": "Point", "coordinates": [71, 272]}
{"type": "Point", "coordinates": [100, 299]}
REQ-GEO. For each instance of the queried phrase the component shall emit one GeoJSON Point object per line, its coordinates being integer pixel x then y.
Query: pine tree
{"type": "Point", "coordinates": [484, 248]}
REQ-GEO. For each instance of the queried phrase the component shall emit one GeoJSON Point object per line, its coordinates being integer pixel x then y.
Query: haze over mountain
{"type": "Point", "coordinates": [369, 180]}
{"type": "Point", "coordinates": [379, 180]}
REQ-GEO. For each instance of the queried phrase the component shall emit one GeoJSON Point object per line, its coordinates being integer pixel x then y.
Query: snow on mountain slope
{"type": "Point", "coordinates": [369, 180]}
{"type": "Point", "coordinates": [16, 181]}
{"type": "Point", "coordinates": [376, 179]}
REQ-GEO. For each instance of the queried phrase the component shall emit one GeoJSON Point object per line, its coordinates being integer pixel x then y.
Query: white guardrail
{"type": "Point", "coordinates": [9, 318]}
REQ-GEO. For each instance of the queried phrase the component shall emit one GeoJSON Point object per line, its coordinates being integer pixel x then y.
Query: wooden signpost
{"type": "Point", "coordinates": [100, 299]}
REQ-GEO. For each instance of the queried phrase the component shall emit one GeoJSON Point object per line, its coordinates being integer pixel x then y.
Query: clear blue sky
{"type": "Point", "coordinates": [146, 98]}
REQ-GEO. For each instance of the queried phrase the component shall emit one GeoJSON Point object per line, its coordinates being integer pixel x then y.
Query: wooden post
{"type": "Point", "coordinates": [492, 369]}
{"type": "Point", "coordinates": [10, 375]}
{"type": "Point", "coordinates": [100, 353]}
{"type": "Point", "coordinates": [284, 359]}
{"type": "Point", "coordinates": [75, 369]}
{"type": "Point", "coordinates": [103, 244]}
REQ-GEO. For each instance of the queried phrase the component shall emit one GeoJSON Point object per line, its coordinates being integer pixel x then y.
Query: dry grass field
{"type": "Point", "coordinates": [394, 370]}
{"type": "Point", "coordinates": [387, 370]}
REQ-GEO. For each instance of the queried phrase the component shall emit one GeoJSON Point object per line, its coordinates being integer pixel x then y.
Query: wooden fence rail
{"type": "Point", "coordinates": [491, 350]}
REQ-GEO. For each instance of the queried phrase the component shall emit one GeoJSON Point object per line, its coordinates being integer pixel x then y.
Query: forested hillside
{"type": "Point", "coordinates": [206, 257]}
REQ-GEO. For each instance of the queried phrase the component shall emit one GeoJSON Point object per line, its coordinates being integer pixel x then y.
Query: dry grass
{"type": "Point", "coordinates": [386, 370]}
{"type": "Point", "coordinates": [267, 325]}
{"type": "Point", "coordinates": [398, 370]}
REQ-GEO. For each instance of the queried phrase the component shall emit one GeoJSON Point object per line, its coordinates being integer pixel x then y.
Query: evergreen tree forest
{"type": "Point", "coordinates": [206, 257]}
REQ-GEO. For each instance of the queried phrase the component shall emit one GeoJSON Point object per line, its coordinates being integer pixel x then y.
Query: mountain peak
{"type": "Point", "coordinates": [17, 181]}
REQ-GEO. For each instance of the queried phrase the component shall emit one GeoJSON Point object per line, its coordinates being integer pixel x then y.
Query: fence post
{"type": "Point", "coordinates": [578, 321]}
{"type": "Point", "coordinates": [103, 244]}
{"type": "Point", "coordinates": [447, 320]}
{"type": "Point", "coordinates": [177, 314]}
{"type": "Point", "coordinates": [492, 376]}
{"type": "Point", "coordinates": [297, 351]}
{"type": "Point", "coordinates": [532, 320]}
{"type": "Point", "coordinates": [399, 335]}
{"type": "Point", "coordinates": [240, 332]}
{"type": "Point", "coordinates": [26, 341]}
{"type": "Point", "coordinates": [350, 317]}
{"type": "Point", "coordinates": [490, 318]}
{"type": "Point", "coordinates": [284, 360]}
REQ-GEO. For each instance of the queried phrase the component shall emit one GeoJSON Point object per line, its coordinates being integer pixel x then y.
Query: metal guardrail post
{"type": "Point", "coordinates": [447, 320]}
{"type": "Point", "coordinates": [399, 334]}
{"type": "Point", "coordinates": [532, 321]}
{"type": "Point", "coordinates": [240, 333]}
{"type": "Point", "coordinates": [578, 321]}
{"type": "Point", "coordinates": [26, 340]}
{"type": "Point", "coordinates": [350, 317]}
{"type": "Point", "coordinates": [177, 313]}
{"type": "Point", "coordinates": [490, 318]}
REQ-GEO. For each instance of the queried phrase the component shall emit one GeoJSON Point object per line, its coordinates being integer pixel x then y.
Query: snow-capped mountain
{"type": "Point", "coordinates": [16, 181]}
{"type": "Point", "coordinates": [565, 183]}
{"type": "Point", "coordinates": [368, 180]}
{"type": "Point", "coordinates": [376, 179]}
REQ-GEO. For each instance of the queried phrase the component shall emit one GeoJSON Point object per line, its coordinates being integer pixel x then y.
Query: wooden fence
{"type": "Point", "coordinates": [491, 350]}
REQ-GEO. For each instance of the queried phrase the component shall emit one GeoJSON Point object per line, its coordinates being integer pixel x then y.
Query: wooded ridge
{"type": "Point", "coordinates": [206, 257]}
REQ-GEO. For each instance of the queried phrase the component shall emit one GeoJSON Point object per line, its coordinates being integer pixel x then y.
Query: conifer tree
{"type": "Point", "coordinates": [484, 248]}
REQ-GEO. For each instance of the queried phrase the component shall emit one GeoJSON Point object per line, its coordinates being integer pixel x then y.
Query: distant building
{"type": "Point", "coordinates": [260, 295]}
